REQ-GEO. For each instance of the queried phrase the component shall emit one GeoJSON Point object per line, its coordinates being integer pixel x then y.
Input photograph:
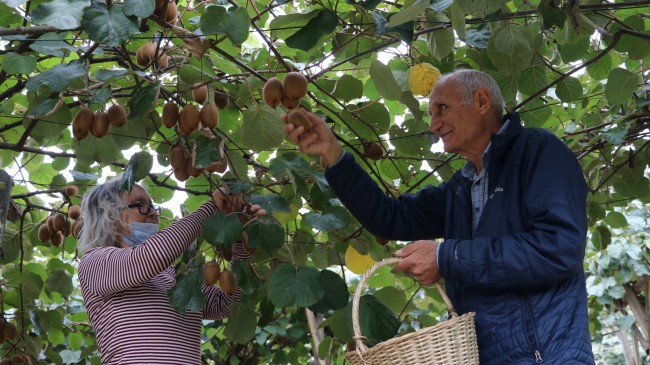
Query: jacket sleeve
{"type": "Point", "coordinates": [409, 217]}
{"type": "Point", "coordinates": [109, 270]}
{"type": "Point", "coordinates": [551, 246]}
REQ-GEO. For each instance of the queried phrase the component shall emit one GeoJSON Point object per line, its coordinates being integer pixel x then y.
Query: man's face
{"type": "Point", "coordinates": [459, 126]}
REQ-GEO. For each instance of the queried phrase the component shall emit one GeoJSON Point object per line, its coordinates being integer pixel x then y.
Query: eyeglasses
{"type": "Point", "coordinates": [145, 208]}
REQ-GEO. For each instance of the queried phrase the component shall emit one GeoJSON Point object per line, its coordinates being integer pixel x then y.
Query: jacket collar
{"type": "Point", "coordinates": [501, 143]}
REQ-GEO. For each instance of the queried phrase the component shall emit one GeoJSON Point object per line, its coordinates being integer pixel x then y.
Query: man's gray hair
{"type": "Point", "coordinates": [468, 81]}
{"type": "Point", "coordinates": [101, 216]}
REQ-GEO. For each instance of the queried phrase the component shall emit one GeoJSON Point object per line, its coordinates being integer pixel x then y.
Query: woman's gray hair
{"type": "Point", "coordinates": [468, 81]}
{"type": "Point", "coordinates": [101, 216]}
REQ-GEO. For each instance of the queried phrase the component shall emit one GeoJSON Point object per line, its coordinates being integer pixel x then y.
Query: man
{"type": "Point", "coordinates": [512, 222]}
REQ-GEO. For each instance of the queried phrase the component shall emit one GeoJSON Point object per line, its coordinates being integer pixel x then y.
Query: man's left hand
{"type": "Point", "coordinates": [419, 260]}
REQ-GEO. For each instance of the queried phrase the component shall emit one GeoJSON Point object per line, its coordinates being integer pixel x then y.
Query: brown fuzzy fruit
{"type": "Point", "coordinates": [200, 93]}
{"type": "Point", "coordinates": [9, 331]}
{"type": "Point", "coordinates": [82, 123]}
{"type": "Point", "coordinates": [57, 239]}
{"type": "Point", "coordinates": [298, 117]}
{"type": "Point", "coordinates": [177, 157]}
{"type": "Point", "coordinates": [227, 282]}
{"type": "Point", "coordinates": [170, 114]}
{"type": "Point", "coordinates": [74, 212]}
{"type": "Point", "coordinates": [146, 54]}
{"type": "Point", "coordinates": [43, 233]}
{"type": "Point", "coordinates": [71, 191]}
{"type": "Point", "coordinates": [373, 150]}
{"type": "Point", "coordinates": [221, 99]}
{"type": "Point", "coordinates": [190, 169]}
{"type": "Point", "coordinates": [162, 61]}
{"type": "Point", "coordinates": [272, 92]}
{"type": "Point", "coordinates": [75, 228]}
{"type": "Point", "coordinates": [58, 222]}
{"type": "Point", "coordinates": [211, 272]}
{"type": "Point", "coordinates": [289, 103]}
{"type": "Point", "coordinates": [20, 359]}
{"type": "Point", "coordinates": [172, 13]}
{"type": "Point", "coordinates": [181, 174]}
{"type": "Point", "coordinates": [100, 124]}
{"type": "Point", "coordinates": [6, 361]}
{"type": "Point", "coordinates": [50, 225]}
{"type": "Point", "coordinates": [116, 115]}
{"type": "Point", "coordinates": [219, 167]}
{"type": "Point", "coordinates": [295, 85]}
{"type": "Point", "coordinates": [188, 120]}
{"type": "Point", "coordinates": [209, 116]}
{"type": "Point", "coordinates": [67, 229]}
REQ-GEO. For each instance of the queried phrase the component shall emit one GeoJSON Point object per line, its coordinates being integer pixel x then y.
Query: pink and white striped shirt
{"type": "Point", "coordinates": [125, 292]}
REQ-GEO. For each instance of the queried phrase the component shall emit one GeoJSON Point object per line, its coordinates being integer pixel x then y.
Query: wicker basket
{"type": "Point", "coordinates": [449, 342]}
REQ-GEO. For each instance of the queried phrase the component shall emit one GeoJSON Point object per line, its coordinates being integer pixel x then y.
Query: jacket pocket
{"type": "Point", "coordinates": [529, 328]}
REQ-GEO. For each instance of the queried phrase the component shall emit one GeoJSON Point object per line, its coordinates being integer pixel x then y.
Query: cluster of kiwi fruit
{"type": "Point", "coordinates": [183, 165]}
{"type": "Point", "coordinates": [288, 92]}
{"type": "Point", "coordinates": [97, 123]}
{"type": "Point", "coordinates": [56, 227]}
{"type": "Point", "coordinates": [168, 10]}
{"type": "Point", "coordinates": [150, 54]}
{"type": "Point", "coordinates": [212, 274]}
{"type": "Point", "coordinates": [190, 118]}
{"type": "Point", "coordinates": [8, 331]}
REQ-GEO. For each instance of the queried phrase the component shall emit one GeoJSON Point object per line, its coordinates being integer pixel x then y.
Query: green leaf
{"type": "Point", "coordinates": [108, 25]}
{"type": "Point", "coordinates": [143, 101]}
{"type": "Point", "coordinates": [332, 218]}
{"type": "Point", "coordinates": [336, 296]}
{"type": "Point", "coordinates": [242, 322]}
{"type": "Point", "coordinates": [510, 49]}
{"type": "Point", "coordinates": [308, 36]}
{"type": "Point", "coordinates": [233, 22]}
{"type": "Point", "coordinates": [325, 347]}
{"type": "Point", "coordinates": [58, 78]}
{"type": "Point", "coordinates": [368, 5]}
{"type": "Point", "coordinates": [600, 69]}
{"type": "Point", "coordinates": [569, 89]}
{"type": "Point", "coordinates": [616, 220]}
{"type": "Point", "coordinates": [15, 64]}
{"type": "Point", "coordinates": [404, 31]}
{"type": "Point", "coordinates": [138, 168]}
{"type": "Point", "coordinates": [265, 232]}
{"type": "Point", "coordinates": [377, 321]}
{"type": "Point", "coordinates": [42, 108]}
{"type": "Point", "coordinates": [348, 88]}
{"type": "Point", "coordinates": [374, 119]}
{"type": "Point", "coordinates": [621, 84]}
{"type": "Point", "coordinates": [478, 38]}
{"type": "Point", "coordinates": [245, 276]}
{"type": "Point", "coordinates": [408, 14]}
{"type": "Point", "coordinates": [271, 203]}
{"type": "Point", "coordinates": [533, 79]}
{"type": "Point", "coordinates": [32, 284]}
{"type": "Point", "coordinates": [53, 44]}
{"type": "Point", "coordinates": [106, 75]}
{"type": "Point", "coordinates": [290, 286]}
{"type": "Point", "coordinates": [61, 14]}
{"type": "Point", "coordinates": [480, 8]}
{"type": "Point", "coordinates": [221, 228]}
{"type": "Point", "coordinates": [92, 149]}
{"type": "Point", "coordinates": [457, 19]}
{"type": "Point", "coordinates": [440, 42]}
{"type": "Point", "coordinates": [262, 128]}
{"type": "Point", "coordinates": [551, 14]}
{"type": "Point", "coordinates": [394, 298]}
{"type": "Point", "coordinates": [384, 81]}
{"type": "Point", "coordinates": [207, 151]}
{"type": "Point", "coordinates": [59, 281]}
{"type": "Point", "coordinates": [139, 8]}
{"type": "Point", "coordinates": [187, 292]}
{"type": "Point", "coordinates": [339, 323]}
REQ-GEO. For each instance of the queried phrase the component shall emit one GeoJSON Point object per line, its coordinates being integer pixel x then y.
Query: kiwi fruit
{"type": "Point", "coordinates": [200, 93]}
{"type": "Point", "coordinates": [82, 123]}
{"type": "Point", "coordinates": [272, 92]}
{"type": "Point", "coordinates": [289, 103]}
{"type": "Point", "coordinates": [298, 117]}
{"type": "Point", "coordinates": [116, 115]}
{"type": "Point", "coordinates": [219, 167]}
{"type": "Point", "coordinates": [177, 157]}
{"type": "Point", "coordinates": [373, 150]}
{"type": "Point", "coordinates": [227, 282]}
{"type": "Point", "coordinates": [75, 229]}
{"type": "Point", "coordinates": [9, 331]}
{"type": "Point", "coordinates": [146, 54]}
{"type": "Point", "coordinates": [6, 361]}
{"type": "Point", "coordinates": [58, 221]}
{"type": "Point", "coordinates": [190, 169]}
{"type": "Point", "coordinates": [172, 13]}
{"type": "Point", "coordinates": [67, 229]}
{"type": "Point", "coordinates": [74, 212]}
{"type": "Point", "coordinates": [294, 85]}
{"type": "Point", "coordinates": [57, 239]}
{"type": "Point", "coordinates": [20, 359]}
{"type": "Point", "coordinates": [100, 124]}
{"type": "Point", "coordinates": [181, 174]}
{"type": "Point", "coordinates": [221, 99]}
{"type": "Point", "coordinates": [170, 114]}
{"type": "Point", "coordinates": [188, 120]}
{"type": "Point", "coordinates": [162, 61]}
{"type": "Point", "coordinates": [211, 272]}
{"type": "Point", "coordinates": [209, 116]}
{"type": "Point", "coordinates": [71, 191]}
{"type": "Point", "coordinates": [50, 225]}
{"type": "Point", "coordinates": [43, 233]}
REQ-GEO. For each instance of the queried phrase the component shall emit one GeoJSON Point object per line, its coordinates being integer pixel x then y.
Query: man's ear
{"type": "Point", "coordinates": [484, 99]}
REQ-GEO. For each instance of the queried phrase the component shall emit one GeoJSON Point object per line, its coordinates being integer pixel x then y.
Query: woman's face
{"type": "Point", "coordinates": [140, 208]}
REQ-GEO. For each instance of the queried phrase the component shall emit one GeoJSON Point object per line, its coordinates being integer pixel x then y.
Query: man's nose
{"type": "Point", "coordinates": [434, 125]}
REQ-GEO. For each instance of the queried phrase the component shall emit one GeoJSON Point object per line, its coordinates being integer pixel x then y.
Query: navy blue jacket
{"type": "Point", "coordinates": [522, 270]}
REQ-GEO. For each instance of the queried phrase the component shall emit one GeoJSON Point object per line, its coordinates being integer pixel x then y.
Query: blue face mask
{"type": "Point", "coordinates": [140, 232]}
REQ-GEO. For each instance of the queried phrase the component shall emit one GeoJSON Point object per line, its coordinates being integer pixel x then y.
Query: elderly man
{"type": "Point", "coordinates": [512, 223]}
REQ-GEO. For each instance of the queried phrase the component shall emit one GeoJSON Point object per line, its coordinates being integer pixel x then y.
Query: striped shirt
{"type": "Point", "coordinates": [125, 292]}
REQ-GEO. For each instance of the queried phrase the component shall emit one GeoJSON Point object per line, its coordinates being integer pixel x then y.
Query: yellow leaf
{"type": "Point", "coordinates": [356, 262]}
{"type": "Point", "coordinates": [422, 77]}
{"type": "Point", "coordinates": [287, 217]}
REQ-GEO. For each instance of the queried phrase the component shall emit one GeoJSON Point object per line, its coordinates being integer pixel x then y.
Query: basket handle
{"type": "Point", "coordinates": [358, 338]}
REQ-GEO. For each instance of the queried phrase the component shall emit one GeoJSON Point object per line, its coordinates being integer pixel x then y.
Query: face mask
{"type": "Point", "coordinates": [140, 232]}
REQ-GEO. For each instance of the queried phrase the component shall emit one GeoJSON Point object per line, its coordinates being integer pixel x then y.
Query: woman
{"type": "Point", "coordinates": [125, 273]}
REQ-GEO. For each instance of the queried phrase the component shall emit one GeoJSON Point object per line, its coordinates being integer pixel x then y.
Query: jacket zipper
{"type": "Point", "coordinates": [535, 345]}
